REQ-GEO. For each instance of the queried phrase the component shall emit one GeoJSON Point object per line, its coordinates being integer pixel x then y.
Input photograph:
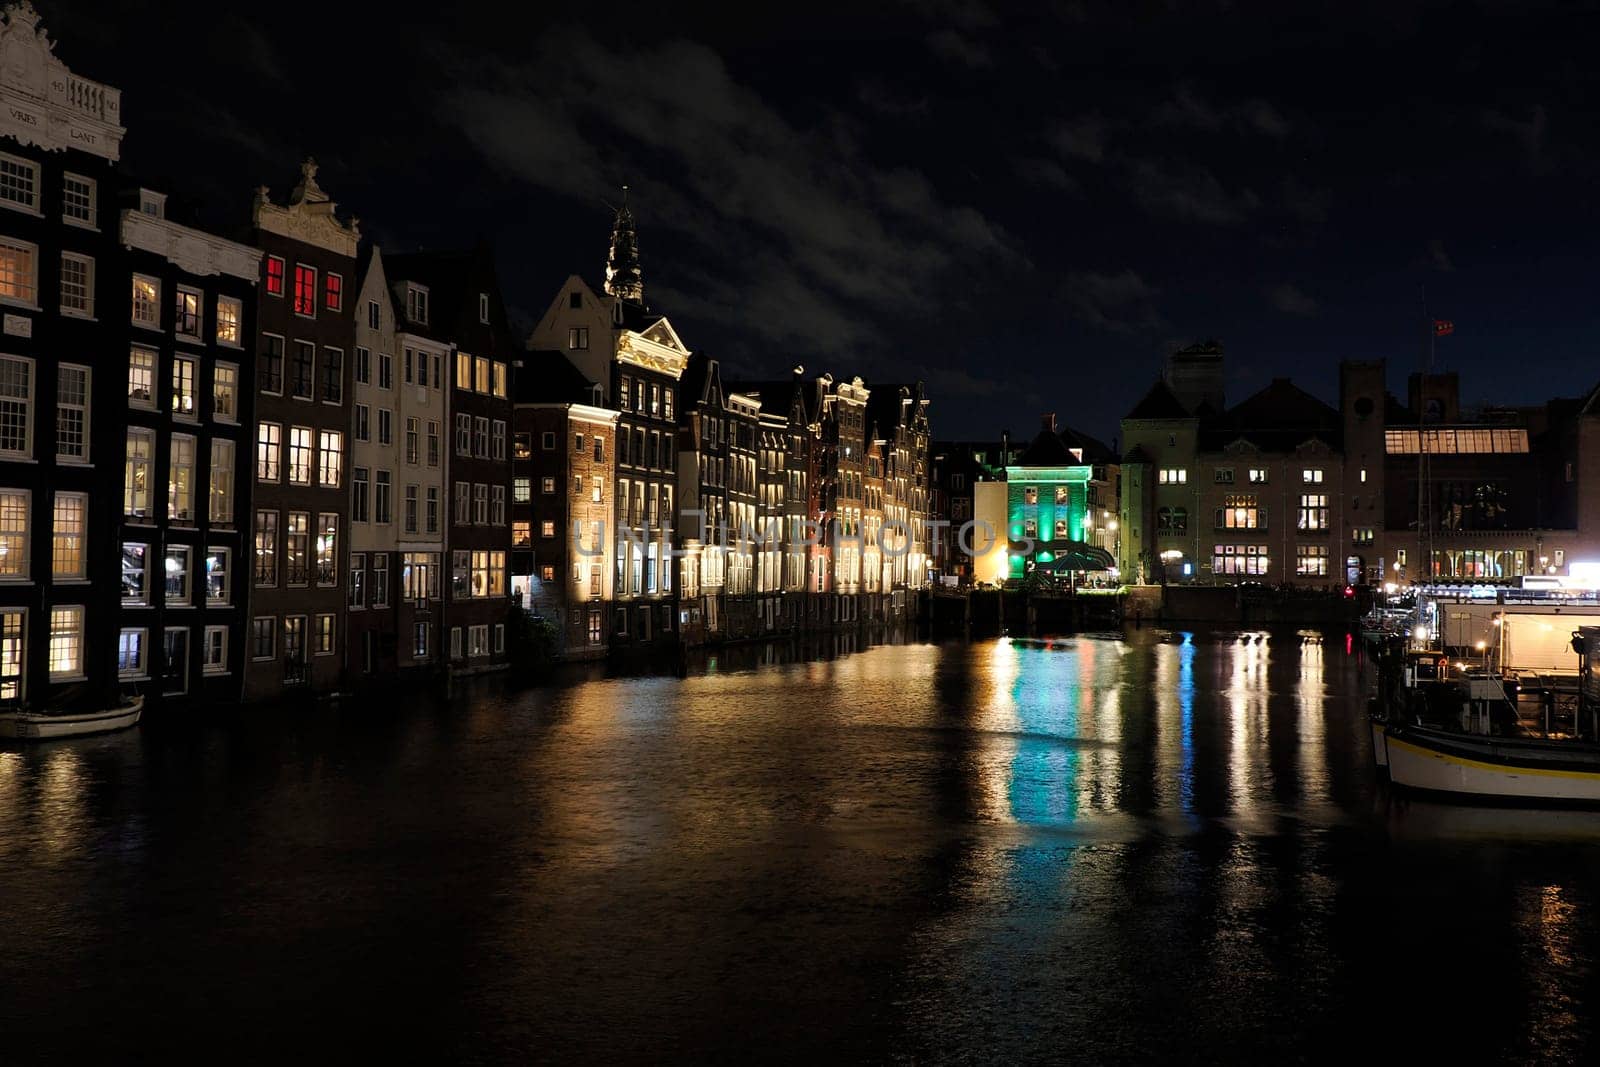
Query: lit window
{"type": "Point", "coordinates": [522, 489]}
{"type": "Point", "coordinates": [547, 573]}
{"type": "Point", "coordinates": [463, 371]}
{"type": "Point", "coordinates": [1311, 476]}
{"type": "Point", "coordinates": [330, 458]}
{"type": "Point", "coordinates": [77, 284]}
{"type": "Point", "coordinates": [78, 201]}
{"type": "Point", "coordinates": [521, 533]}
{"type": "Point", "coordinates": [1311, 561]}
{"type": "Point", "coordinates": [500, 389]}
{"type": "Point", "coordinates": [1258, 475]}
{"type": "Point", "coordinates": [141, 378]}
{"type": "Point", "coordinates": [300, 455]}
{"type": "Point", "coordinates": [305, 290]}
{"type": "Point", "coordinates": [14, 505]}
{"type": "Point", "coordinates": [274, 275]}
{"type": "Point", "coordinates": [1363, 475]}
{"type": "Point", "coordinates": [297, 547]}
{"type": "Point", "coordinates": [138, 471]}
{"type": "Point", "coordinates": [578, 338]}
{"type": "Point", "coordinates": [177, 574]}
{"type": "Point", "coordinates": [186, 313]}
{"type": "Point", "coordinates": [185, 404]}
{"type": "Point", "coordinates": [221, 495]}
{"type": "Point", "coordinates": [72, 414]}
{"type": "Point", "coordinates": [269, 447]}
{"type": "Point", "coordinates": [219, 575]}
{"type": "Point", "coordinates": [225, 392]}
{"type": "Point", "coordinates": [135, 573]}
{"type": "Point", "coordinates": [324, 635]}
{"type": "Point", "coordinates": [180, 479]}
{"type": "Point", "coordinates": [130, 654]}
{"type": "Point", "coordinates": [66, 643]}
{"type": "Point", "coordinates": [71, 522]}
{"type": "Point", "coordinates": [546, 485]}
{"type": "Point", "coordinates": [327, 548]}
{"type": "Point", "coordinates": [1313, 511]}
{"type": "Point", "coordinates": [481, 375]}
{"type": "Point", "coordinates": [1174, 476]}
{"type": "Point", "coordinates": [333, 292]}
{"type": "Point", "coordinates": [230, 321]}
{"type": "Point", "coordinates": [19, 183]}
{"type": "Point", "coordinates": [147, 301]}
{"type": "Point", "coordinates": [547, 528]}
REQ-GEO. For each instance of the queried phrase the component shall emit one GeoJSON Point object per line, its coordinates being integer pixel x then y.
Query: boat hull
{"type": "Point", "coordinates": [32, 726]}
{"type": "Point", "coordinates": [1483, 768]}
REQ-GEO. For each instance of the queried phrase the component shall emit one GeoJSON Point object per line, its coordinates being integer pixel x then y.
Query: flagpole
{"type": "Point", "coordinates": [1424, 559]}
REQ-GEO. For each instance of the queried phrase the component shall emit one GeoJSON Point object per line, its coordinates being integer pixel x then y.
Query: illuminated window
{"type": "Point", "coordinates": [219, 572]}
{"type": "Point", "coordinates": [297, 548]}
{"type": "Point", "coordinates": [333, 291]}
{"type": "Point", "coordinates": [1363, 475]}
{"type": "Point", "coordinates": [1311, 476]}
{"type": "Point", "coordinates": [463, 371]}
{"type": "Point", "coordinates": [1239, 559]}
{"type": "Point", "coordinates": [269, 442]}
{"type": "Point", "coordinates": [522, 489]}
{"type": "Point", "coordinates": [130, 653]}
{"type": "Point", "coordinates": [176, 575]}
{"type": "Point", "coordinates": [500, 389]}
{"type": "Point", "coordinates": [521, 533]}
{"type": "Point", "coordinates": [180, 479]}
{"type": "Point", "coordinates": [274, 275]}
{"type": "Point", "coordinates": [66, 643]}
{"type": "Point", "coordinates": [324, 635]}
{"type": "Point", "coordinates": [1362, 535]}
{"type": "Point", "coordinates": [578, 338]}
{"type": "Point", "coordinates": [71, 520]}
{"type": "Point", "coordinates": [225, 392]}
{"type": "Point", "coordinates": [1311, 561]}
{"type": "Point", "coordinates": [138, 471]}
{"type": "Point", "coordinates": [481, 375]}
{"type": "Point", "coordinates": [185, 402]}
{"type": "Point", "coordinates": [547, 573]}
{"type": "Point", "coordinates": [330, 458]}
{"type": "Point", "coordinates": [327, 548]}
{"type": "Point", "coordinates": [135, 573]}
{"type": "Point", "coordinates": [547, 528]}
{"type": "Point", "coordinates": [305, 290]}
{"type": "Point", "coordinates": [299, 455]}
{"type": "Point", "coordinates": [221, 492]}
{"type": "Point", "coordinates": [1313, 512]}
{"type": "Point", "coordinates": [146, 301]}
{"type": "Point", "coordinates": [1241, 513]}
{"type": "Point", "coordinates": [1173, 476]}
{"type": "Point", "coordinates": [266, 548]}
{"type": "Point", "coordinates": [77, 285]}
{"type": "Point", "coordinates": [214, 651]}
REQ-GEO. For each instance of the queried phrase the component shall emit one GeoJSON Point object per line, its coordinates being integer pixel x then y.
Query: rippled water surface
{"type": "Point", "coordinates": [1164, 847]}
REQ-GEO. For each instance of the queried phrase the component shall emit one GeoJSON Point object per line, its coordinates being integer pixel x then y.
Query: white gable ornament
{"type": "Point", "coordinates": [44, 103]}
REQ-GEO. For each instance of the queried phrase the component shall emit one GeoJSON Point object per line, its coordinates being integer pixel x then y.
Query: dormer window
{"type": "Point", "coordinates": [417, 304]}
{"type": "Point", "coordinates": [152, 203]}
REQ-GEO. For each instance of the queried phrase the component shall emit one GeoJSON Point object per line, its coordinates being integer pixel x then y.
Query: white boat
{"type": "Point", "coordinates": [1505, 768]}
{"type": "Point", "coordinates": [40, 726]}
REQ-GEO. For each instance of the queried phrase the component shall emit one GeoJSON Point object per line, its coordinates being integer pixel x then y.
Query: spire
{"type": "Point", "coordinates": [623, 279]}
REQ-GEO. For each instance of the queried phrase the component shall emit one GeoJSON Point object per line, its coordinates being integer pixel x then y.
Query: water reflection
{"type": "Point", "coordinates": [1160, 847]}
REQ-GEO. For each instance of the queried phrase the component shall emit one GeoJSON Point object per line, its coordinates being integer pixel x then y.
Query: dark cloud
{"type": "Point", "coordinates": [1438, 258]}
{"type": "Point", "coordinates": [1290, 300]}
{"type": "Point", "coordinates": [1186, 107]}
{"type": "Point", "coordinates": [952, 46]}
{"type": "Point", "coordinates": [1530, 133]}
{"type": "Point", "coordinates": [1190, 193]}
{"type": "Point", "coordinates": [1120, 303]}
{"type": "Point", "coordinates": [805, 239]}
{"type": "Point", "coordinates": [1046, 173]}
{"type": "Point", "coordinates": [1081, 138]}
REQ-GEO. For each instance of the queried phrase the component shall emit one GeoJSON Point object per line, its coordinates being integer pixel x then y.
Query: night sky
{"type": "Point", "coordinates": [1027, 207]}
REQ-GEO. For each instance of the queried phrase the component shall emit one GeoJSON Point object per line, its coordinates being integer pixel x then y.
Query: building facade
{"type": "Point", "coordinates": [63, 286]}
{"type": "Point", "coordinates": [305, 335]}
{"type": "Point", "coordinates": [186, 307]}
{"type": "Point", "coordinates": [452, 302]}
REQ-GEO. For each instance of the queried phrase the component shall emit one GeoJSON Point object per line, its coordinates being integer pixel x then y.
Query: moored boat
{"type": "Point", "coordinates": [41, 726]}
{"type": "Point", "coordinates": [1507, 768]}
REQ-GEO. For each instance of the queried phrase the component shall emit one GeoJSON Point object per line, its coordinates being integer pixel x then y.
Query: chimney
{"type": "Point", "coordinates": [1049, 421]}
{"type": "Point", "coordinates": [1005, 447]}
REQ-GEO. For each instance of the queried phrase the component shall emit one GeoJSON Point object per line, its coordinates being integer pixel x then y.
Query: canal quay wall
{"type": "Point", "coordinates": [991, 612]}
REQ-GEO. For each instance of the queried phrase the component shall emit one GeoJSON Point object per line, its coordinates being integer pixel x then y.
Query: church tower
{"type": "Point", "coordinates": [623, 279]}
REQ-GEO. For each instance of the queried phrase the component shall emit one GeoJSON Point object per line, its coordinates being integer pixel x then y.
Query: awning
{"type": "Point", "coordinates": [1074, 556]}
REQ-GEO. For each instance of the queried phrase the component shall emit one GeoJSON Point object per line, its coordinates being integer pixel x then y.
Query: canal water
{"type": "Point", "coordinates": [1168, 846]}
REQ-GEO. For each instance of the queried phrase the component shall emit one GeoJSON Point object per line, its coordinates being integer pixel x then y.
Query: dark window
{"type": "Point", "coordinates": [271, 364]}
{"type": "Point", "coordinates": [300, 369]}
{"type": "Point", "coordinates": [332, 375]}
{"type": "Point", "coordinates": [575, 299]}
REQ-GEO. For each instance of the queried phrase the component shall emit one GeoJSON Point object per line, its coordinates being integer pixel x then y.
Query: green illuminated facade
{"type": "Point", "coordinates": [1047, 506]}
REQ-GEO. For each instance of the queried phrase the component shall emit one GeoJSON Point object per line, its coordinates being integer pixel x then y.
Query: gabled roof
{"type": "Point", "coordinates": [1047, 450]}
{"type": "Point", "coordinates": [1279, 418]}
{"type": "Point", "coordinates": [548, 377]}
{"type": "Point", "coordinates": [1159, 403]}
{"type": "Point", "coordinates": [778, 396]}
{"type": "Point", "coordinates": [454, 279]}
{"type": "Point", "coordinates": [1094, 450]}
{"type": "Point", "coordinates": [701, 382]}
